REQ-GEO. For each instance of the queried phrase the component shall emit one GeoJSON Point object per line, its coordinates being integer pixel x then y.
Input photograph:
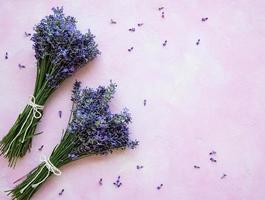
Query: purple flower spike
{"type": "Point", "coordinates": [98, 131]}
{"type": "Point", "coordinates": [57, 38]}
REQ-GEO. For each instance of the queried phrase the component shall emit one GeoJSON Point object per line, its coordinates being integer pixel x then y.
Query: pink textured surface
{"type": "Point", "coordinates": [199, 98]}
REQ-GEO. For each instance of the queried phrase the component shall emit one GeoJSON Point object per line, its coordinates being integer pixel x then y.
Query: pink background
{"type": "Point", "coordinates": [199, 98]}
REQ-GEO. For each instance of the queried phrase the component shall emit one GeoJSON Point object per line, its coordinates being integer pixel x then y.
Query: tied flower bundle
{"type": "Point", "coordinates": [60, 50]}
{"type": "Point", "coordinates": [92, 130]}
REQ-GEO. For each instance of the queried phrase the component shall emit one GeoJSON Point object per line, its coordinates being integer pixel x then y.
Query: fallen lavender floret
{"type": "Point", "coordinates": [60, 50]}
{"type": "Point", "coordinates": [92, 130]}
{"type": "Point", "coordinates": [20, 66]}
{"type": "Point", "coordinates": [100, 182]}
{"type": "Point", "coordinates": [118, 182]}
{"type": "Point", "coordinates": [61, 192]}
{"type": "Point", "coordinates": [160, 186]}
{"type": "Point", "coordinates": [27, 34]}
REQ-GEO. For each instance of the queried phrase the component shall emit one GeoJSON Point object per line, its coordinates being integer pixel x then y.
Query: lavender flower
{"type": "Point", "coordinates": [96, 129]}
{"type": "Point", "coordinates": [92, 130]}
{"type": "Point", "coordinates": [60, 50]}
{"type": "Point", "coordinates": [223, 176]}
{"type": "Point", "coordinates": [139, 167]}
{"type": "Point", "coordinates": [56, 37]}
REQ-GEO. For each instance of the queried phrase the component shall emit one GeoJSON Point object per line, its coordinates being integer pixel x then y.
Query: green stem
{"type": "Point", "coordinates": [11, 145]}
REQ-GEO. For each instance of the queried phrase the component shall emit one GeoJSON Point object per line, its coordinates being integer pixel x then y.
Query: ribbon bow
{"type": "Point", "coordinates": [51, 168]}
{"type": "Point", "coordinates": [35, 108]}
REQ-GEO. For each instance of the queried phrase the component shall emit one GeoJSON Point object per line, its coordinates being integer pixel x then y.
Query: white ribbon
{"type": "Point", "coordinates": [35, 108]}
{"type": "Point", "coordinates": [51, 168]}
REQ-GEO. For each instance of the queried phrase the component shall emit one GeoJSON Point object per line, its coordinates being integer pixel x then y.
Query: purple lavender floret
{"type": "Point", "coordinates": [56, 37]}
{"type": "Point", "coordinates": [96, 129]}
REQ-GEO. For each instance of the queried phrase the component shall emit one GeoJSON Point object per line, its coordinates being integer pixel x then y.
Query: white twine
{"type": "Point", "coordinates": [35, 108]}
{"type": "Point", "coordinates": [51, 168]}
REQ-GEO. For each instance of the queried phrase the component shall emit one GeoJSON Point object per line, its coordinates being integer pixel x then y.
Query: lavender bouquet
{"type": "Point", "coordinates": [92, 130]}
{"type": "Point", "coordinates": [60, 50]}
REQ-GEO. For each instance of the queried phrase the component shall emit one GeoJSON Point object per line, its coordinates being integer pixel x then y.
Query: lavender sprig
{"type": "Point", "coordinates": [60, 50]}
{"type": "Point", "coordinates": [92, 130]}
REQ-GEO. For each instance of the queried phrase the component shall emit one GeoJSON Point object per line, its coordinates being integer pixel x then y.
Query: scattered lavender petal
{"type": "Point", "coordinates": [41, 147]}
{"type": "Point", "coordinates": [139, 167]}
{"type": "Point", "coordinates": [212, 153]}
{"type": "Point", "coordinates": [159, 187]}
{"type": "Point", "coordinates": [52, 37]}
{"type": "Point", "coordinates": [198, 42]}
{"type": "Point", "coordinates": [213, 160]}
{"type": "Point", "coordinates": [196, 167]}
{"type": "Point", "coordinates": [144, 102]}
{"type": "Point", "coordinates": [21, 66]}
{"type": "Point", "coordinates": [204, 19]}
{"type": "Point", "coordinates": [61, 193]}
{"type": "Point", "coordinates": [140, 24]}
{"type": "Point", "coordinates": [100, 181]}
{"type": "Point", "coordinates": [112, 21]}
{"type": "Point", "coordinates": [6, 56]}
{"type": "Point", "coordinates": [165, 43]}
{"type": "Point", "coordinates": [163, 15]}
{"type": "Point", "coordinates": [131, 29]}
{"type": "Point", "coordinates": [60, 113]}
{"type": "Point", "coordinates": [224, 175]}
{"type": "Point", "coordinates": [130, 49]}
{"type": "Point", "coordinates": [117, 183]}
{"type": "Point", "coordinates": [106, 132]}
{"type": "Point", "coordinates": [27, 34]}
